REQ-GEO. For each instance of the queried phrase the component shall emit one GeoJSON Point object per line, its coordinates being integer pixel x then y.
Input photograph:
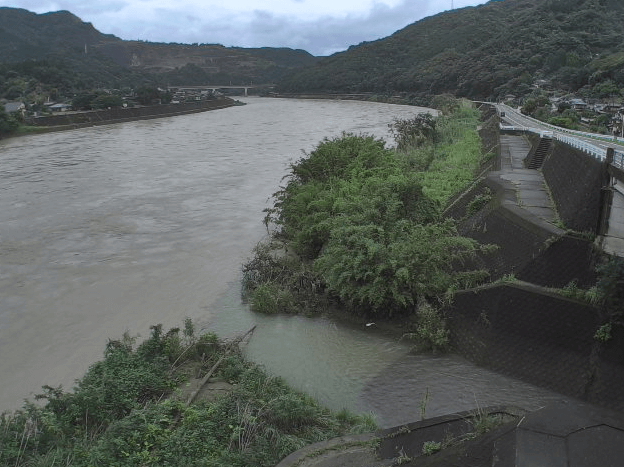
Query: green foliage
{"type": "Point", "coordinates": [431, 447]}
{"type": "Point", "coordinates": [610, 285]}
{"type": "Point", "coordinates": [609, 296]}
{"type": "Point", "coordinates": [96, 100]}
{"type": "Point", "coordinates": [564, 122]}
{"type": "Point", "coordinates": [8, 123]}
{"type": "Point", "coordinates": [492, 50]}
{"type": "Point", "coordinates": [375, 270]}
{"type": "Point", "coordinates": [430, 332]}
{"type": "Point", "coordinates": [348, 177]}
{"type": "Point", "coordinates": [276, 282]}
{"type": "Point", "coordinates": [148, 95]}
{"type": "Point", "coordinates": [414, 132]}
{"type": "Point", "coordinates": [268, 298]}
{"type": "Point", "coordinates": [457, 156]}
{"type": "Point", "coordinates": [117, 417]}
{"type": "Point", "coordinates": [366, 219]}
{"type": "Point", "coordinates": [603, 333]}
{"type": "Point", "coordinates": [105, 101]}
{"type": "Point", "coordinates": [478, 202]}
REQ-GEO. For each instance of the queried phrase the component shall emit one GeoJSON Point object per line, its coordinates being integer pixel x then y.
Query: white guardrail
{"type": "Point", "coordinates": [570, 137]}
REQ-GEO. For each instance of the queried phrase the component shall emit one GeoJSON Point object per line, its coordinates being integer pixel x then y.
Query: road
{"type": "Point", "coordinates": [601, 142]}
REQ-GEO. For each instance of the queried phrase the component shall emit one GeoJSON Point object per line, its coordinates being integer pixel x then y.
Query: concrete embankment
{"type": "Point", "coordinates": [520, 327]}
{"type": "Point", "coordinates": [73, 120]}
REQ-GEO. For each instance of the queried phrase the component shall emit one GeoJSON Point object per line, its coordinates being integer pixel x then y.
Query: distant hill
{"type": "Point", "coordinates": [25, 35]}
{"type": "Point", "coordinates": [489, 51]}
{"type": "Point", "coordinates": [502, 47]}
{"type": "Point", "coordinates": [60, 50]}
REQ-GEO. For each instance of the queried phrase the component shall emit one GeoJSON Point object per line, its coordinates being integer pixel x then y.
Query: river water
{"type": "Point", "coordinates": [118, 227]}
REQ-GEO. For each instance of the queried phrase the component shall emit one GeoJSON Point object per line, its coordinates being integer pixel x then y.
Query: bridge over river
{"type": "Point", "coordinates": [218, 87]}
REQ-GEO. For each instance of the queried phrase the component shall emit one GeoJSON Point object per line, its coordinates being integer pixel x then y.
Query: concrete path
{"type": "Point", "coordinates": [532, 193]}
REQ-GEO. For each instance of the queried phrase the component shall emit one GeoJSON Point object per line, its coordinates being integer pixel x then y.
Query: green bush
{"type": "Point", "coordinates": [364, 221]}
{"type": "Point", "coordinates": [478, 202]}
{"type": "Point", "coordinates": [430, 331]}
{"type": "Point", "coordinates": [117, 416]}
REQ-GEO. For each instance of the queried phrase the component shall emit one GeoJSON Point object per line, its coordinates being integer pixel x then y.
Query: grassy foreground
{"type": "Point", "coordinates": [128, 411]}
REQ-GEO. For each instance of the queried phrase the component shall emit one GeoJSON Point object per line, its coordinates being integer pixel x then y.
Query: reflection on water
{"type": "Point", "coordinates": [119, 227]}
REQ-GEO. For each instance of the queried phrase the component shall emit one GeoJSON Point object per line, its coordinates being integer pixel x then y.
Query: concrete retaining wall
{"type": "Point", "coordinates": [575, 180]}
{"type": "Point", "coordinates": [521, 329]}
{"type": "Point", "coordinates": [525, 332]}
{"type": "Point", "coordinates": [99, 117]}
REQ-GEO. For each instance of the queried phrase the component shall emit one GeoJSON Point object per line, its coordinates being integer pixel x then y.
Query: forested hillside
{"type": "Point", "coordinates": [502, 47]}
{"type": "Point", "coordinates": [490, 51]}
{"type": "Point", "coordinates": [57, 54]}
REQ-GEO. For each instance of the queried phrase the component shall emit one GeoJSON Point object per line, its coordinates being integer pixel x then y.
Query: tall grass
{"type": "Point", "coordinates": [456, 157]}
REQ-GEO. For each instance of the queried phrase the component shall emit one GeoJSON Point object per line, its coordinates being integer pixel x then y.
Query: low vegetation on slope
{"type": "Point", "coordinates": [357, 225]}
{"type": "Point", "coordinates": [126, 411]}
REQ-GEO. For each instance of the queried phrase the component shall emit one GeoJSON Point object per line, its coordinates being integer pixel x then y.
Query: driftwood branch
{"type": "Point", "coordinates": [208, 375]}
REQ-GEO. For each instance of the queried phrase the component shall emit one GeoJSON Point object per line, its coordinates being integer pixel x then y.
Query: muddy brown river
{"type": "Point", "coordinates": [118, 227]}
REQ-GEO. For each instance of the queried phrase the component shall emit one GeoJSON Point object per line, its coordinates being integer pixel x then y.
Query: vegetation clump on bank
{"type": "Point", "coordinates": [126, 411]}
{"type": "Point", "coordinates": [359, 226]}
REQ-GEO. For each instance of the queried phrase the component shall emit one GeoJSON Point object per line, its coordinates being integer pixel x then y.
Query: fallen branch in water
{"type": "Point", "coordinates": [205, 379]}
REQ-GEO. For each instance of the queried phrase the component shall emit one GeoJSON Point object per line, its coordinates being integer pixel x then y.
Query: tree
{"type": "Point", "coordinates": [104, 101]}
{"type": "Point", "coordinates": [148, 95]}
{"type": "Point", "coordinates": [414, 132]}
{"type": "Point", "coordinates": [8, 123]}
{"type": "Point", "coordinates": [83, 101]}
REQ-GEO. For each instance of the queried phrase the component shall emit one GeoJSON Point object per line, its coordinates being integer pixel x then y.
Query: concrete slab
{"type": "Point", "coordinates": [564, 434]}
{"type": "Point", "coordinates": [613, 245]}
{"type": "Point", "coordinates": [536, 195]}
{"type": "Point", "coordinates": [596, 446]}
{"type": "Point", "coordinates": [534, 201]}
{"type": "Point", "coordinates": [543, 213]}
{"type": "Point", "coordinates": [538, 449]}
{"type": "Point", "coordinates": [523, 178]}
{"type": "Point", "coordinates": [531, 191]}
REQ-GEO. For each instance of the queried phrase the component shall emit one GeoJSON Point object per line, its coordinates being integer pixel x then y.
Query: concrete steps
{"type": "Point", "coordinates": [540, 153]}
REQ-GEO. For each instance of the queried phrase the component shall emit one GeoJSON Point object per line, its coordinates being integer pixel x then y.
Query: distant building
{"type": "Point", "coordinates": [611, 108]}
{"type": "Point", "coordinates": [59, 107]}
{"type": "Point", "coordinates": [15, 107]}
{"type": "Point", "coordinates": [578, 104]}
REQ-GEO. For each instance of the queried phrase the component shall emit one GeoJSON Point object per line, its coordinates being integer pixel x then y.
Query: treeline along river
{"type": "Point", "coordinates": [118, 227]}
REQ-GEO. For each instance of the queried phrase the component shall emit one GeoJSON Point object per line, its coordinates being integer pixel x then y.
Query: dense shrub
{"type": "Point", "coordinates": [363, 220]}
{"type": "Point", "coordinates": [117, 415]}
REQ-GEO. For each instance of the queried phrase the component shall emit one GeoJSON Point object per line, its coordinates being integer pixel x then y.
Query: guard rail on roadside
{"type": "Point", "coordinates": [570, 137]}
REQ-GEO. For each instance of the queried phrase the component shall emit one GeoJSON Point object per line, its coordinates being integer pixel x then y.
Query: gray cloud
{"type": "Point", "coordinates": [207, 23]}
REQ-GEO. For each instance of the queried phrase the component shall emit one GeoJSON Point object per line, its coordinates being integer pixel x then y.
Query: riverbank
{"type": "Point", "coordinates": [145, 405]}
{"type": "Point", "coordinates": [75, 120]}
{"type": "Point", "coordinates": [364, 96]}
{"type": "Point", "coordinates": [146, 233]}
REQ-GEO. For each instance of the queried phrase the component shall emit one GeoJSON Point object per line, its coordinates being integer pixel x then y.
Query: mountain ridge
{"type": "Point", "coordinates": [62, 40]}
{"type": "Point", "coordinates": [490, 51]}
{"type": "Point", "coordinates": [483, 51]}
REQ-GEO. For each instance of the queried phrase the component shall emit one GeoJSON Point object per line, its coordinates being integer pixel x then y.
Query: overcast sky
{"type": "Point", "coordinates": [321, 27]}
